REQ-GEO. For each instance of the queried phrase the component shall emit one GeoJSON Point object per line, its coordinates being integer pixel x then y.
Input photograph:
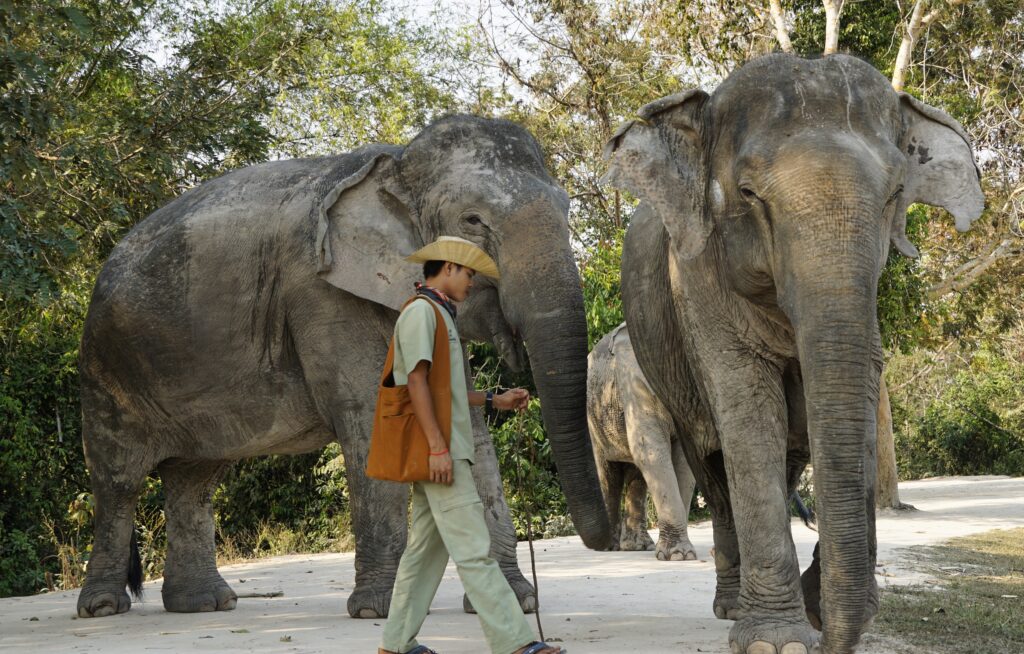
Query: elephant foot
{"type": "Point", "coordinates": [760, 635]}
{"type": "Point", "coordinates": [635, 540]}
{"type": "Point", "coordinates": [216, 596]}
{"type": "Point", "coordinates": [369, 603]}
{"type": "Point", "coordinates": [727, 607]}
{"type": "Point", "coordinates": [680, 550]}
{"type": "Point", "coordinates": [727, 597]}
{"type": "Point", "coordinates": [100, 602]}
{"type": "Point", "coordinates": [523, 589]}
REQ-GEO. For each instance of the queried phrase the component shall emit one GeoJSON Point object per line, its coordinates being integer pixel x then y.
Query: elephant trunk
{"type": "Point", "coordinates": [835, 341]}
{"type": "Point", "coordinates": [551, 317]}
{"type": "Point", "coordinates": [558, 355]}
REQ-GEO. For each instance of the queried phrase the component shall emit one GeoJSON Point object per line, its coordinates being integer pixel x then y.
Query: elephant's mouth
{"type": "Point", "coordinates": [511, 347]}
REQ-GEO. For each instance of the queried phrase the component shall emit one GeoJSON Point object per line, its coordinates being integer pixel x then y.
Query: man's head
{"type": "Point", "coordinates": [449, 264]}
{"type": "Point", "coordinates": [452, 279]}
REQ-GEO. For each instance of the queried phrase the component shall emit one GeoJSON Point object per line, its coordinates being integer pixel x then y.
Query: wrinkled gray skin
{"type": "Point", "coordinates": [749, 278]}
{"type": "Point", "coordinates": [252, 316]}
{"type": "Point", "coordinates": [636, 448]}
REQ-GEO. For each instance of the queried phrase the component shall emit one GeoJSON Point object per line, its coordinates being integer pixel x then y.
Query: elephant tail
{"type": "Point", "coordinates": [135, 568]}
{"type": "Point", "coordinates": [807, 515]}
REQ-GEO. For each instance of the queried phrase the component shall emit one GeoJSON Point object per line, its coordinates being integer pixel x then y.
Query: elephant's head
{"type": "Point", "coordinates": [792, 179]}
{"type": "Point", "coordinates": [485, 181]}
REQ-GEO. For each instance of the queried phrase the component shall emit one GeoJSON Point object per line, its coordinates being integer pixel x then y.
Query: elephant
{"type": "Point", "coordinates": [636, 447]}
{"type": "Point", "coordinates": [252, 316]}
{"type": "Point", "coordinates": [749, 280]}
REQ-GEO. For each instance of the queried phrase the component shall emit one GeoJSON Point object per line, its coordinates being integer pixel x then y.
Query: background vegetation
{"type": "Point", "coordinates": [110, 107]}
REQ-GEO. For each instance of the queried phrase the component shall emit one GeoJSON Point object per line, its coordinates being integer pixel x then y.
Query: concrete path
{"type": "Point", "coordinates": [591, 602]}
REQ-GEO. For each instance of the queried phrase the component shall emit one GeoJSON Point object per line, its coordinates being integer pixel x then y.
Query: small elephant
{"type": "Point", "coordinates": [637, 448]}
{"type": "Point", "coordinates": [252, 316]}
{"type": "Point", "coordinates": [749, 281]}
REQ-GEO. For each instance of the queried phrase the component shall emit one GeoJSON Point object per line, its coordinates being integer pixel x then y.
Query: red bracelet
{"type": "Point", "coordinates": [439, 453]}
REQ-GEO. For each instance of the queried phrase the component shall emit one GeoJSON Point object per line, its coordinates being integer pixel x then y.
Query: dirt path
{"type": "Point", "coordinates": [595, 602]}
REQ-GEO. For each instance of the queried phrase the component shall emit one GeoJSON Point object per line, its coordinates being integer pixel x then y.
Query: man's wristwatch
{"type": "Point", "coordinates": [489, 403]}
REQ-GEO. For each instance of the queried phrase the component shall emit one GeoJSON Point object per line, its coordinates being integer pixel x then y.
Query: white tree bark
{"type": "Point", "coordinates": [833, 9]}
{"type": "Point", "coordinates": [918, 22]}
{"type": "Point", "coordinates": [781, 33]}
{"type": "Point", "coordinates": [969, 273]}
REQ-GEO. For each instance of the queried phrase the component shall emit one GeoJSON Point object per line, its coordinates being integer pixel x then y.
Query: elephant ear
{"type": "Point", "coordinates": [366, 229]}
{"type": "Point", "coordinates": [660, 159]}
{"type": "Point", "coordinates": [940, 168]}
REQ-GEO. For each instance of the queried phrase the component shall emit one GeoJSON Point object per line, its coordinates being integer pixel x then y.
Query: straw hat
{"type": "Point", "coordinates": [457, 250]}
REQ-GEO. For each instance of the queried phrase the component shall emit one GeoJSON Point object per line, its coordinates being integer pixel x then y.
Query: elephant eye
{"type": "Point", "coordinates": [748, 194]}
{"type": "Point", "coordinates": [473, 219]}
{"type": "Point", "coordinates": [895, 195]}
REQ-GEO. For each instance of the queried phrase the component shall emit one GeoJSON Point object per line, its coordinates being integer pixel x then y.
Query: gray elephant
{"type": "Point", "coordinates": [749, 278]}
{"type": "Point", "coordinates": [252, 316]}
{"type": "Point", "coordinates": [637, 448]}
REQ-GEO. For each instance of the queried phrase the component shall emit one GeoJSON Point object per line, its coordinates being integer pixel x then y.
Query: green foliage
{"type": "Point", "coordinates": [868, 29]}
{"type": "Point", "coordinates": [305, 494]}
{"type": "Point", "coordinates": [902, 292]}
{"type": "Point", "coordinates": [602, 294]}
{"type": "Point", "coordinates": [529, 474]}
{"type": "Point", "coordinates": [975, 426]}
{"type": "Point", "coordinates": [41, 460]}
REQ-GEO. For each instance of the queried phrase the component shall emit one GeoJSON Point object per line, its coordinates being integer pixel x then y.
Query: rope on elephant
{"type": "Point", "coordinates": [527, 503]}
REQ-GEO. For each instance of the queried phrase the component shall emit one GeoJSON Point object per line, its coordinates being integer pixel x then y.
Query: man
{"type": "Point", "coordinates": [447, 515]}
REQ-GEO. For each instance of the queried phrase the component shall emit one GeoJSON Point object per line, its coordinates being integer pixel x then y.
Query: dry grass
{"type": "Point", "coordinates": [274, 540]}
{"type": "Point", "coordinates": [977, 605]}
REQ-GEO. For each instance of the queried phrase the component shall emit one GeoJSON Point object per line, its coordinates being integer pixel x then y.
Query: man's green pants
{"type": "Point", "coordinates": [450, 520]}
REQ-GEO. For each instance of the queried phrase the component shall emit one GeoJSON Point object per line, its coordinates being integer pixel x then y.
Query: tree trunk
{"type": "Point", "coordinates": [917, 22]}
{"type": "Point", "coordinates": [887, 492]}
{"type": "Point", "coordinates": [781, 33]}
{"type": "Point", "coordinates": [833, 9]}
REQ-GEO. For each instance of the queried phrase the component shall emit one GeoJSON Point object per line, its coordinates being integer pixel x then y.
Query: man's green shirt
{"type": "Point", "coordinates": [414, 342]}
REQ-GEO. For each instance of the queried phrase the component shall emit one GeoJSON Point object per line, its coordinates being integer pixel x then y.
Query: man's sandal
{"type": "Point", "coordinates": [421, 649]}
{"type": "Point", "coordinates": [536, 648]}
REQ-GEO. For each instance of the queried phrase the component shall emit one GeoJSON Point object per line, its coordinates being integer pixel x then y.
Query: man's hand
{"type": "Point", "coordinates": [441, 469]}
{"type": "Point", "coordinates": [513, 399]}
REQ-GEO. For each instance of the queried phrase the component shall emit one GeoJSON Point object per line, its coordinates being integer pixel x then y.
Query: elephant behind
{"type": "Point", "coordinates": [749, 281]}
{"type": "Point", "coordinates": [252, 316]}
{"type": "Point", "coordinates": [637, 447]}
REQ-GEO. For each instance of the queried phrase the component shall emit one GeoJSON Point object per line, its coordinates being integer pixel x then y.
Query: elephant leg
{"type": "Point", "coordinates": [379, 522]}
{"type": "Point", "coordinates": [497, 515]}
{"type": "Point", "coordinates": [104, 591]}
{"type": "Point", "coordinates": [711, 477]}
{"type": "Point", "coordinates": [611, 475]}
{"type": "Point", "coordinates": [342, 342]}
{"type": "Point", "coordinates": [650, 440]}
{"type": "Point", "coordinates": [634, 536]}
{"type": "Point", "coordinates": [754, 435]}
{"type": "Point", "coordinates": [117, 473]}
{"type": "Point", "coordinates": [191, 581]}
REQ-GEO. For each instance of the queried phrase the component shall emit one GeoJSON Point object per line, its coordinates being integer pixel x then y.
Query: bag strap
{"type": "Point", "coordinates": [440, 337]}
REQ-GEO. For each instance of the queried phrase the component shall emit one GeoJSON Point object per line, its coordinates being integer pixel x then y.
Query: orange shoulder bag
{"type": "Point", "coordinates": [398, 447]}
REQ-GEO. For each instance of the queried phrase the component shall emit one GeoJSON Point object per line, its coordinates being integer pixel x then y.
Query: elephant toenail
{"type": "Point", "coordinates": [793, 648]}
{"type": "Point", "coordinates": [761, 647]}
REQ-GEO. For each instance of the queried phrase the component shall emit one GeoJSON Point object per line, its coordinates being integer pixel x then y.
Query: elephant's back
{"type": "Point", "coordinates": [211, 265]}
{"type": "Point", "coordinates": [604, 398]}
{"type": "Point", "coordinates": [233, 211]}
